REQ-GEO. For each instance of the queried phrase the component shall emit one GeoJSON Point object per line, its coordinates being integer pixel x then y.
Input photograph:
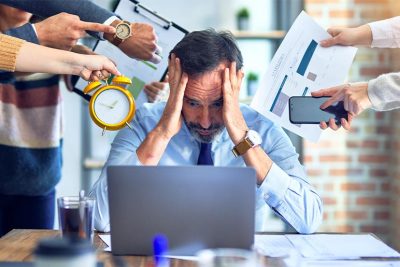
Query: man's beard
{"type": "Point", "coordinates": [195, 129]}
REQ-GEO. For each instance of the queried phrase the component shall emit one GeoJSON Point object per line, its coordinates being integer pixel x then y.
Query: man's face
{"type": "Point", "coordinates": [202, 105]}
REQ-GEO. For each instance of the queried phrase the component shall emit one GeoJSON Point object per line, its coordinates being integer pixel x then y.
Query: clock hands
{"type": "Point", "coordinates": [114, 103]}
{"type": "Point", "coordinates": [110, 107]}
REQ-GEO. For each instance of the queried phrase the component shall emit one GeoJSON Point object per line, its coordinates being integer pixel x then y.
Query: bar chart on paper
{"type": "Point", "coordinates": [299, 67]}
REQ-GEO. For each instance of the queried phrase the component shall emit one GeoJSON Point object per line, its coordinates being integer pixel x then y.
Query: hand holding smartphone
{"type": "Point", "coordinates": [306, 110]}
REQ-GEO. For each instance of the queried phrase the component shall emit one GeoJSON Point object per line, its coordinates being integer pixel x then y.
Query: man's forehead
{"type": "Point", "coordinates": [210, 77]}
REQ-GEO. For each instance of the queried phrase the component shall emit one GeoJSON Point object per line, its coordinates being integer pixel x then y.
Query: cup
{"type": "Point", "coordinates": [226, 257]}
{"type": "Point", "coordinates": [76, 217]}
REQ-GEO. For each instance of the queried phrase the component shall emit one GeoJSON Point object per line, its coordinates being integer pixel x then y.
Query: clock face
{"type": "Point", "coordinates": [123, 31]}
{"type": "Point", "coordinates": [111, 106]}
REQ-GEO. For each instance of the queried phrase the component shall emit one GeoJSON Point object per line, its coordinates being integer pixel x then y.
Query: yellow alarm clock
{"type": "Point", "coordinates": [112, 106]}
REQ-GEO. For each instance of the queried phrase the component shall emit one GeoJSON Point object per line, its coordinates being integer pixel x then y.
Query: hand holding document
{"type": "Point", "coordinates": [299, 67]}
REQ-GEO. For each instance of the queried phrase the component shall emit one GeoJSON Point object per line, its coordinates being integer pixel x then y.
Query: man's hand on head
{"type": "Point", "coordinates": [232, 115]}
{"type": "Point", "coordinates": [62, 31]}
{"type": "Point", "coordinates": [171, 120]}
{"type": "Point", "coordinates": [155, 143]}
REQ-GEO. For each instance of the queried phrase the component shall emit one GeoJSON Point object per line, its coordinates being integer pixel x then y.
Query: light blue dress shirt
{"type": "Point", "coordinates": [285, 188]}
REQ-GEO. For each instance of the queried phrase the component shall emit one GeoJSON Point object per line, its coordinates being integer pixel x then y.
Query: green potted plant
{"type": "Point", "coordinates": [252, 83]}
{"type": "Point", "coordinates": [242, 18]}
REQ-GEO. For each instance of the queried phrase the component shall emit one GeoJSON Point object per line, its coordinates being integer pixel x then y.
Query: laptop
{"type": "Point", "coordinates": [195, 207]}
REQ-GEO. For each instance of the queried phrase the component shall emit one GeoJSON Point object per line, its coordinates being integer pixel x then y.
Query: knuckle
{"type": "Point", "coordinates": [75, 35]}
{"type": "Point", "coordinates": [153, 46]}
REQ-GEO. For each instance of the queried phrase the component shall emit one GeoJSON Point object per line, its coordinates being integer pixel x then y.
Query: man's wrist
{"type": "Point", "coordinates": [40, 34]}
{"type": "Point", "coordinates": [365, 35]}
{"type": "Point", "coordinates": [238, 136]}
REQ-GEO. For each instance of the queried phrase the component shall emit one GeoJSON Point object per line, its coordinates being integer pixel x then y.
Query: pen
{"type": "Point", "coordinates": [160, 247]}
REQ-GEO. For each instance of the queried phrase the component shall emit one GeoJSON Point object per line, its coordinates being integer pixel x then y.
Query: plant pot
{"type": "Point", "coordinates": [252, 87]}
{"type": "Point", "coordinates": [243, 24]}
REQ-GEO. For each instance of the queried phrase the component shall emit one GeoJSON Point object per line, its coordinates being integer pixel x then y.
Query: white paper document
{"type": "Point", "coordinates": [351, 263]}
{"type": "Point", "coordinates": [340, 246]}
{"type": "Point", "coordinates": [107, 239]}
{"type": "Point", "coordinates": [273, 245]}
{"type": "Point", "coordinates": [299, 67]}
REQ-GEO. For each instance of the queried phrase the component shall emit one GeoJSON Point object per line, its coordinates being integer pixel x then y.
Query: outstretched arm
{"type": "Point", "coordinates": [18, 55]}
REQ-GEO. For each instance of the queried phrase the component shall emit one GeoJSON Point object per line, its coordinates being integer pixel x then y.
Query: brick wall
{"type": "Point", "coordinates": [357, 172]}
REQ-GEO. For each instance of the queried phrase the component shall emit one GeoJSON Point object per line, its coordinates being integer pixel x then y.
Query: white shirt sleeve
{"type": "Point", "coordinates": [386, 33]}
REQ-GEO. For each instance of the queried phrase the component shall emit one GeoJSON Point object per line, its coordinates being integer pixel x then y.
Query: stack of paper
{"type": "Point", "coordinates": [328, 250]}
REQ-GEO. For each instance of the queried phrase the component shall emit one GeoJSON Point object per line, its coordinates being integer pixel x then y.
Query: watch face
{"type": "Point", "coordinates": [123, 30]}
{"type": "Point", "coordinates": [111, 106]}
{"type": "Point", "coordinates": [254, 137]}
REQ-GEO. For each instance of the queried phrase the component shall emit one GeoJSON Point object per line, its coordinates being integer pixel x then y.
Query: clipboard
{"type": "Point", "coordinates": [141, 72]}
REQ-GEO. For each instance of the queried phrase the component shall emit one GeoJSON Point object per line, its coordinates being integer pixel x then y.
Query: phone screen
{"type": "Point", "coordinates": [306, 110]}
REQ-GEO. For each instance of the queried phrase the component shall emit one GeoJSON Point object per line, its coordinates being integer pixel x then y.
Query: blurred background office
{"type": "Point", "coordinates": [357, 173]}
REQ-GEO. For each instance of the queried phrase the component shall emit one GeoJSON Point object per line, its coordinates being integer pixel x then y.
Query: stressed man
{"type": "Point", "coordinates": [202, 123]}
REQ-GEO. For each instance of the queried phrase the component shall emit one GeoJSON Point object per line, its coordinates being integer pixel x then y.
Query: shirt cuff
{"type": "Point", "coordinates": [34, 28]}
{"type": "Point", "coordinates": [107, 22]}
{"type": "Point", "coordinates": [372, 94]}
{"type": "Point", "coordinates": [275, 185]}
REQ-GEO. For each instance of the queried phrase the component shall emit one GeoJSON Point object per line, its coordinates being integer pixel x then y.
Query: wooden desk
{"type": "Point", "coordinates": [18, 245]}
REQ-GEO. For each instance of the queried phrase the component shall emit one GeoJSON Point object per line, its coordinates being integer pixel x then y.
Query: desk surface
{"type": "Point", "coordinates": [18, 245]}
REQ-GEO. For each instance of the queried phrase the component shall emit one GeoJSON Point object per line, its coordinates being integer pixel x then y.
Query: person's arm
{"type": "Point", "coordinates": [36, 58]}
{"type": "Point", "coordinates": [280, 177]}
{"type": "Point", "coordinates": [25, 32]}
{"type": "Point", "coordinates": [18, 55]}
{"type": "Point", "coordinates": [84, 9]}
{"type": "Point", "coordinates": [142, 45]}
{"type": "Point", "coordinates": [286, 189]}
{"type": "Point", "coordinates": [155, 143]}
{"type": "Point", "coordinates": [384, 92]}
{"type": "Point", "coordinates": [386, 33]}
{"type": "Point", "coordinates": [9, 49]}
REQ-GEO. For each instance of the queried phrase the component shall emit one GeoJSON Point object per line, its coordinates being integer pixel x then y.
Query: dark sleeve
{"type": "Point", "coordinates": [84, 9]}
{"type": "Point", "coordinates": [25, 32]}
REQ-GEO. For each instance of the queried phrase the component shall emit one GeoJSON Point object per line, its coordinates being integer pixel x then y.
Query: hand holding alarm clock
{"type": "Point", "coordinates": [112, 106]}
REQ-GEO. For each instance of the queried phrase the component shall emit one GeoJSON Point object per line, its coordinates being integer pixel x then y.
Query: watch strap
{"type": "Point", "coordinates": [242, 147]}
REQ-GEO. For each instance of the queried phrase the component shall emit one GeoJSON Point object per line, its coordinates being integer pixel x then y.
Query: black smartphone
{"type": "Point", "coordinates": [306, 110]}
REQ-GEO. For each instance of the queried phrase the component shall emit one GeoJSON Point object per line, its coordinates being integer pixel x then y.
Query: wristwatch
{"type": "Point", "coordinates": [251, 139]}
{"type": "Point", "coordinates": [122, 32]}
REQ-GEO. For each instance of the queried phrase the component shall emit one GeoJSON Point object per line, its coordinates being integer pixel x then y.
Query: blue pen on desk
{"type": "Point", "coordinates": [160, 248]}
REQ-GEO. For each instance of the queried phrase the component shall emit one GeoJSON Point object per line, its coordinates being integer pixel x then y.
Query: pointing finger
{"type": "Point", "coordinates": [96, 27]}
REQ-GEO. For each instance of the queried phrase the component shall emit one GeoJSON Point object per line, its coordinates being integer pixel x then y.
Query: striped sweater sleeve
{"type": "Point", "coordinates": [9, 48]}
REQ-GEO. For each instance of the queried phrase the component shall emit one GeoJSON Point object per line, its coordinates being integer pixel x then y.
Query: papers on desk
{"type": "Point", "coordinates": [325, 246]}
{"type": "Point", "coordinates": [353, 263]}
{"type": "Point", "coordinates": [333, 246]}
{"type": "Point", "coordinates": [318, 249]}
{"type": "Point", "coordinates": [299, 67]}
{"type": "Point", "coordinates": [107, 240]}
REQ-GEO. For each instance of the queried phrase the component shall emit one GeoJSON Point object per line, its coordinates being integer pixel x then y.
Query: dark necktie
{"type": "Point", "coordinates": [205, 155]}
